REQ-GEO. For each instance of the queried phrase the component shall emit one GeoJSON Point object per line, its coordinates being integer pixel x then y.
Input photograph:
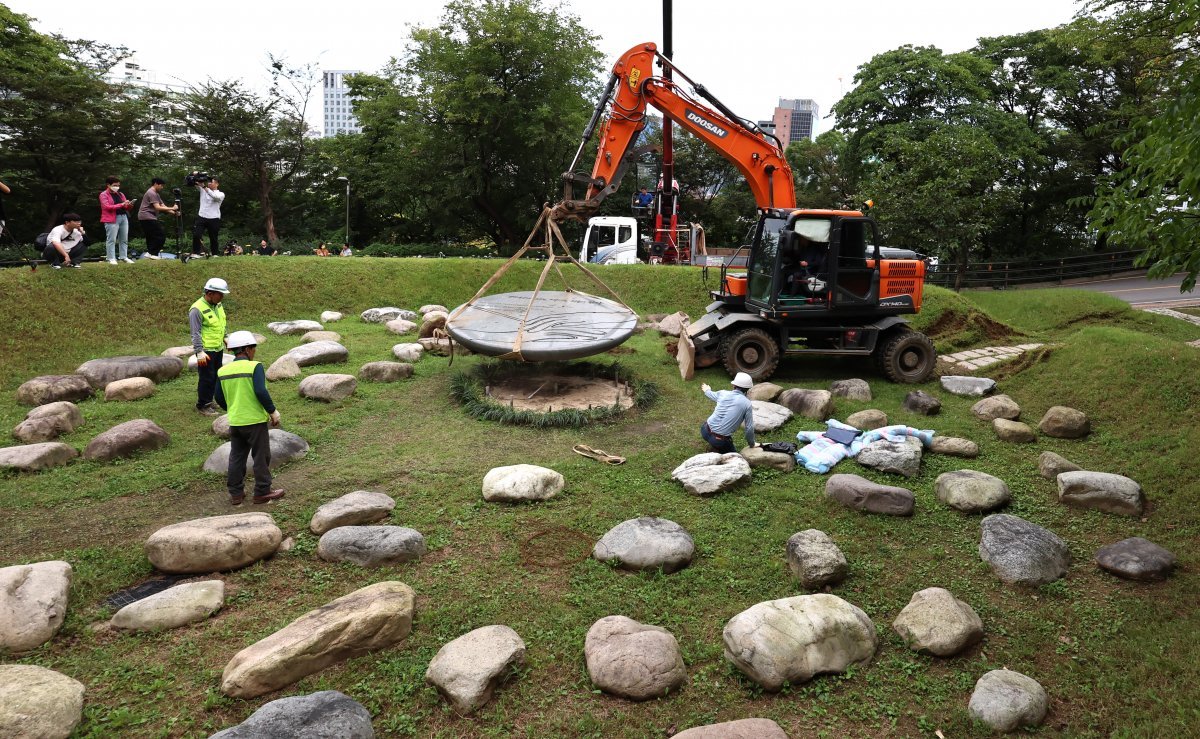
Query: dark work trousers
{"type": "Point", "coordinates": [51, 255]}
{"type": "Point", "coordinates": [254, 440]}
{"type": "Point", "coordinates": [722, 444]}
{"type": "Point", "coordinates": [155, 236]}
{"type": "Point", "coordinates": [206, 386]}
{"type": "Point", "coordinates": [211, 226]}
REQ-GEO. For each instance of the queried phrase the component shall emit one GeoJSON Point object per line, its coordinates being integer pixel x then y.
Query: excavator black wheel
{"type": "Point", "coordinates": [906, 357]}
{"type": "Point", "coordinates": [752, 351]}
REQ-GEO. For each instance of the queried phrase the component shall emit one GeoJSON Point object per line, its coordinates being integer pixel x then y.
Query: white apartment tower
{"type": "Point", "coordinates": [164, 132]}
{"type": "Point", "coordinates": [795, 120]}
{"type": "Point", "coordinates": [339, 106]}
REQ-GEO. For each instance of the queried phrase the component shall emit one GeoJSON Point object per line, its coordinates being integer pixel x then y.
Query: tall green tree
{"type": "Point", "coordinates": [818, 169]}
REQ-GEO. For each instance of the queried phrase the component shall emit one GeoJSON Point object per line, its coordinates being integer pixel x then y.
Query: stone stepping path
{"type": "Point", "coordinates": [975, 359]}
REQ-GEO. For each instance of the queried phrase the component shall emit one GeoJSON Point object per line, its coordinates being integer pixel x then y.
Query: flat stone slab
{"type": "Point", "coordinates": [48, 422]}
{"type": "Point", "coordinates": [329, 388]}
{"type": "Point", "coordinates": [371, 546]}
{"type": "Point", "coordinates": [967, 386]}
{"type": "Point", "coordinates": [125, 440]}
{"type": "Point", "coordinates": [1101, 491]}
{"type": "Point", "coordinates": [33, 604]}
{"type": "Point", "coordinates": [868, 419]}
{"type": "Point", "coordinates": [385, 371]}
{"type": "Point", "coordinates": [383, 315]}
{"type": "Point", "coordinates": [1021, 552]}
{"type": "Point", "coordinates": [757, 457]}
{"type": "Point", "coordinates": [131, 388]}
{"type": "Point", "coordinates": [711, 473]}
{"type": "Point", "coordinates": [815, 560]}
{"type": "Point", "coordinates": [324, 715]}
{"type": "Point", "coordinates": [467, 670]}
{"type": "Point", "coordinates": [401, 326]}
{"type": "Point", "coordinates": [952, 446]}
{"type": "Point", "coordinates": [768, 416]}
{"type": "Point", "coordinates": [53, 388]}
{"type": "Point", "coordinates": [432, 308]}
{"type": "Point", "coordinates": [765, 391]}
{"type": "Point", "coordinates": [330, 316]}
{"type": "Point", "coordinates": [319, 352]}
{"type": "Point", "coordinates": [37, 703]}
{"type": "Point", "coordinates": [935, 622]}
{"type": "Point", "coordinates": [633, 660]}
{"type": "Point", "coordinates": [521, 483]}
{"type": "Point", "coordinates": [1006, 701]}
{"type": "Point", "coordinates": [1051, 465]}
{"type": "Point", "coordinates": [814, 404]}
{"type": "Point", "coordinates": [1136, 559]}
{"type": "Point", "coordinates": [861, 494]}
{"type": "Point", "coordinates": [970, 491]}
{"type": "Point", "coordinates": [646, 543]}
{"type": "Point", "coordinates": [287, 328]}
{"type": "Point", "coordinates": [213, 544]}
{"type": "Point", "coordinates": [367, 620]}
{"type": "Point", "coordinates": [997, 406]}
{"type": "Point", "coordinates": [171, 608]}
{"type": "Point", "coordinates": [408, 352]}
{"type": "Point", "coordinates": [285, 447]}
{"type": "Point", "coordinates": [896, 457]}
{"type": "Point", "coordinates": [310, 336]}
{"type": "Point", "coordinates": [746, 728]}
{"type": "Point", "coordinates": [352, 509]}
{"type": "Point", "coordinates": [36, 457]}
{"type": "Point", "coordinates": [100, 372]}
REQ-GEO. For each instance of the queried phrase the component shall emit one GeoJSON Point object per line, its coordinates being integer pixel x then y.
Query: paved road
{"type": "Point", "coordinates": [1144, 293]}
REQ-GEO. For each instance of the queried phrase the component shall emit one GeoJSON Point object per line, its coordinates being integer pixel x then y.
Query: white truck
{"type": "Point", "coordinates": [617, 240]}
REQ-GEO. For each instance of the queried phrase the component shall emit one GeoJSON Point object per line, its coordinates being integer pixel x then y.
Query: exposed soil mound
{"type": "Point", "coordinates": [546, 392]}
{"type": "Point", "coordinates": [955, 329]}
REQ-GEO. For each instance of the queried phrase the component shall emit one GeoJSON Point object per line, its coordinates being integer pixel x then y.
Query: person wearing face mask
{"type": "Point", "coordinates": [114, 215]}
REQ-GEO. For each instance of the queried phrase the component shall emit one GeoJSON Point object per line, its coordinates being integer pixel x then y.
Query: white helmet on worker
{"type": "Point", "coordinates": [240, 339]}
{"type": "Point", "coordinates": [743, 381]}
{"type": "Point", "coordinates": [216, 284]}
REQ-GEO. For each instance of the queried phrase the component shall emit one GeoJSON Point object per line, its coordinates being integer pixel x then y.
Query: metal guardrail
{"type": "Point", "coordinates": [1059, 270]}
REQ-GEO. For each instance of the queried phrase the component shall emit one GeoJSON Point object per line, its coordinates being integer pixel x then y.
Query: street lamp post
{"type": "Point", "coordinates": [347, 181]}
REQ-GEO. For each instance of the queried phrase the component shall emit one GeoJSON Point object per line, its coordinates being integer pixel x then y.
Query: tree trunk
{"type": "Point", "coordinates": [264, 199]}
{"type": "Point", "coordinates": [506, 230]}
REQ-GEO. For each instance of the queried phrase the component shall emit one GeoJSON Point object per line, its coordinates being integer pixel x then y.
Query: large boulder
{"type": "Point", "coordinates": [1102, 491]}
{"type": "Point", "coordinates": [1062, 422]}
{"type": "Point", "coordinates": [814, 404]}
{"type": "Point", "coordinates": [967, 387]}
{"type": "Point", "coordinates": [179, 352]}
{"type": "Point", "coordinates": [815, 560]}
{"type": "Point", "coordinates": [385, 371]}
{"type": "Point", "coordinates": [997, 406]}
{"type": "Point", "coordinates": [712, 473]}
{"type": "Point", "coordinates": [1136, 559]}
{"type": "Point", "coordinates": [792, 640]}
{"type": "Point", "coordinates": [952, 446]}
{"type": "Point", "coordinates": [285, 447]}
{"type": "Point", "coordinates": [313, 336]}
{"type": "Point", "coordinates": [383, 315]}
{"type": "Point", "coordinates": [220, 426]}
{"type": "Point", "coordinates": [328, 388]}
{"type": "Point", "coordinates": [1006, 701]}
{"type": "Point", "coordinates": [125, 440]}
{"type": "Point", "coordinates": [646, 544]}
{"type": "Point", "coordinates": [371, 546]}
{"type": "Point", "coordinates": [970, 491]}
{"type": "Point", "coordinates": [53, 388]}
{"type": "Point", "coordinates": [319, 352]}
{"type": "Point", "coordinates": [922, 403]}
{"type": "Point", "coordinates": [100, 372]}
{"type": "Point", "coordinates": [433, 308]}
{"type": "Point", "coordinates": [1013, 431]}
{"type": "Point", "coordinates": [35, 457]}
{"type": "Point", "coordinates": [287, 328]}
{"type": "Point", "coordinates": [352, 509]}
{"type": "Point", "coordinates": [214, 544]}
{"type": "Point", "coordinates": [1051, 465]}
{"type": "Point", "coordinates": [284, 368]}
{"type": "Point", "coordinates": [861, 494]}
{"type": "Point", "coordinates": [672, 325]}
{"type": "Point", "coordinates": [854, 389]}
{"type": "Point", "coordinates": [468, 670]}
{"type": "Point", "coordinates": [746, 728]}
{"type": "Point", "coordinates": [633, 660]}
{"type": "Point", "coordinates": [521, 483]}
{"type": "Point", "coordinates": [369, 619]}
{"type": "Point", "coordinates": [765, 391]}
{"type": "Point", "coordinates": [37, 703]}
{"type": "Point", "coordinates": [171, 608]}
{"type": "Point", "coordinates": [131, 388]}
{"type": "Point", "coordinates": [330, 316]}
{"type": "Point", "coordinates": [33, 604]}
{"type": "Point", "coordinates": [937, 623]}
{"type": "Point", "coordinates": [400, 326]}
{"type": "Point", "coordinates": [324, 715]}
{"type": "Point", "coordinates": [432, 322]}
{"type": "Point", "coordinates": [769, 417]}
{"type": "Point", "coordinates": [757, 457]}
{"type": "Point", "coordinates": [868, 419]}
{"type": "Point", "coordinates": [1021, 552]}
{"type": "Point", "coordinates": [408, 352]}
{"type": "Point", "coordinates": [896, 457]}
{"type": "Point", "coordinates": [48, 422]}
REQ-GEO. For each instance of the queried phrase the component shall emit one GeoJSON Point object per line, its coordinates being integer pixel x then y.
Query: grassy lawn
{"type": "Point", "coordinates": [1117, 658]}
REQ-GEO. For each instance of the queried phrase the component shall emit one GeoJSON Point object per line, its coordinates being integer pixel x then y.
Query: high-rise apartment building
{"type": "Point", "coordinates": [795, 120]}
{"type": "Point", "coordinates": [165, 132]}
{"type": "Point", "coordinates": [339, 106]}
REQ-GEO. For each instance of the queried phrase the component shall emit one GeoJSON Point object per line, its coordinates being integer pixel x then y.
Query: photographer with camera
{"type": "Point", "coordinates": [152, 205]}
{"type": "Point", "coordinates": [208, 220]}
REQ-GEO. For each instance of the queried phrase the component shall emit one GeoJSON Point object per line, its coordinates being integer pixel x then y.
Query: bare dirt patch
{"type": "Point", "coordinates": [952, 323]}
{"type": "Point", "coordinates": [548, 392]}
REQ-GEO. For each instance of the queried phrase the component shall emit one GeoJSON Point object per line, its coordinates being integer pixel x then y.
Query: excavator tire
{"type": "Point", "coordinates": [906, 357]}
{"type": "Point", "coordinates": [752, 351]}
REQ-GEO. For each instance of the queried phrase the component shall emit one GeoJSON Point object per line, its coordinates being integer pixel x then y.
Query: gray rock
{"type": "Point", "coordinates": [36, 703]}
{"type": "Point", "coordinates": [919, 401]}
{"type": "Point", "coordinates": [328, 387]}
{"type": "Point", "coordinates": [851, 389]}
{"type": "Point", "coordinates": [324, 715]}
{"type": "Point", "coordinates": [633, 660]}
{"type": "Point", "coordinates": [352, 509]}
{"type": "Point", "coordinates": [220, 426]}
{"type": "Point", "coordinates": [952, 446]}
{"type": "Point", "coordinates": [1013, 431]}
{"type": "Point", "coordinates": [100, 372]}
{"type": "Point", "coordinates": [319, 352]}
{"type": "Point", "coordinates": [284, 368]}
{"type": "Point", "coordinates": [1136, 559]}
{"type": "Point", "coordinates": [765, 391]}
{"type": "Point", "coordinates": [997, 406]}
{"type": "Point", "coordinates": [371, 546]}
{"type": "Point", "coordinates": [401, 326]}
{"type": "Point", "coordinates": [174, 607]}
{"type": "Point", "coordinates": [1021, 552]}
{"type": "Point", "coordinates": [972, 492]}
{"type": "Point", "coordinates": [311, 336]}
{"type": "Point", "coordinates": [33, 604]}
{"type": "Point", "coordinates": [330, 316]}
{"type": "Point", "coordinates": [968, 387]}
{"type": "Point", "coordinates": [1062, 422]}
{"type": "Point", "coordinates": [1051, 465]}
{"type": "Point", "coordinates": [896, 457]}
{"type": "Point", "coordinates": [48, 422]}
{"type": "Point", "coordinates": [259, 339]}
{"type": "Point", "coordinates": [814, 404]}
{"type": "Point", "coordinates": [53, 388]}
{"type": "Point", "coordinates": [521, 483]}
{"type": "Point", "coordinates": [795, 639]}
{"type": "Point", "coordinates": [861, 494]}
{"type": "Point", "coordinates": [383, 315]}
{"type": "Point", "coordinates": [1102, 491]}
{"type": "Point", "coordinates": [432, 307]}
{"type": "Point", "coordinates": [285, 447]}
{"type": "Point", "coordinates": [441, 347]}
{"type": "Point", "coordinates": [868, 419]}
{"type": "Point", "coordinates": [385, 371]}
{"type": "Point", "coordinates": [179, 352]}
{"type": "Point", "coordinates": [287, 328]}
{"type": "Point", "coordinates": [746, 728]}
{"type": "Point", "coordinates": [1006, 701]}
{"type": "Point", "coordinates": [35, 457]}
{"type": "Point", "coordinates": [756, 457]}
{"type": "Point", "coordinates": [673, 325]}
{"type": "Point", "coordinates": [646, 544]}
{"type": "Point", "coordinates": [937, 623]}
{"type": "Point", "coordinates": [408, 352]}
{"type": "Point", "coordinates": [125, 440]}
{"type": "Point", "coordinates": [131, 388]}
{"type": "Point", "coordinates": [468, 670]}
{"type": "Point", "coordinates": [815, 560]}
{"type": "Point", "coordinates": [712, 473]}
{"type": "Point", "coordinates": [213, 544]}
{"type": "Point", "coordinates": [769, 416]}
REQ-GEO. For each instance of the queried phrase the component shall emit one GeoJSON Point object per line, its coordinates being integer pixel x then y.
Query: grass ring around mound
{"type": "Point", "coordinates": [468, 389]}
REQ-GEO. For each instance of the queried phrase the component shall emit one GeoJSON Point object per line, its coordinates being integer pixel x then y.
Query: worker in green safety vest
{"type": "Point", "coordinates": [206, 319]}
{"type": "Point", "coordinates": [242, 390]}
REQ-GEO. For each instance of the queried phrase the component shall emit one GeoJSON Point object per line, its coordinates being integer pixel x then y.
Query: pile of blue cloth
{"type": "Point", "coordinates": [822, 453]}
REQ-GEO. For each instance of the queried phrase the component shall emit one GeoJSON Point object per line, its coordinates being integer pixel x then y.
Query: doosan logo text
{"type": "Point", "coordinates": [706, 124]}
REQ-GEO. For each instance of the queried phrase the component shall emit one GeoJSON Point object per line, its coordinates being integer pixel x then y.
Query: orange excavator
{"type": "Point", "coordinates": [815, 280]}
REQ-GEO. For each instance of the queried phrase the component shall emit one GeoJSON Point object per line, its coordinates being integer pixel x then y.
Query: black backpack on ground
{"type": "Point", "coordinates": [41, 241]}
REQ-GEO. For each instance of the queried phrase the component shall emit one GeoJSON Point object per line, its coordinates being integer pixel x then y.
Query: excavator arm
{"type": "Point", "coordinates": [630, 89]}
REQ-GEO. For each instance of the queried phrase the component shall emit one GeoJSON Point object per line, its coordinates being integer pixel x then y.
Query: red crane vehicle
{"type": "Point", "coordinates": [815, 281]}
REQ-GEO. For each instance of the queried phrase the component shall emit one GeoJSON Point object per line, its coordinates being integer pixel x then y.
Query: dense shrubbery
{"type": "Point", "coordinates": [471, 249]}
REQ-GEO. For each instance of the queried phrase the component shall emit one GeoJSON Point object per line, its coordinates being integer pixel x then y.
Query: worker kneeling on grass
{"type": "Point", "coordinates": [733, 409]}
{"type": "Point", "coordinates": [242, 391]}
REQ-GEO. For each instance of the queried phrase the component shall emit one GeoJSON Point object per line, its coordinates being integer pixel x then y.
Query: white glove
{"type": "Point", "coordinates": [275, 419]}
{"type": "Point", "coordinates": [706, 388]}
{"type": "Point", "coordinates": [202, 359]}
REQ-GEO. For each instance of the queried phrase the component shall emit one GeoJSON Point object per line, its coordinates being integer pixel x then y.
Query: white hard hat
{"type": "Point", "coordinates": [239, 339]}
{"type": "Point", "coordinates": [216, 284]}
{"type": "Point", "coordinates": [743, 381]}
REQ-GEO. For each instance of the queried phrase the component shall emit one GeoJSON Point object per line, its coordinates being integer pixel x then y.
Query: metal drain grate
{"type": "Point", "coordinates": [122, 598]}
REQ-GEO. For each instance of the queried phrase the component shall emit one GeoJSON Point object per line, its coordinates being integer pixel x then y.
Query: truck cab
{"type": "Point", "coordinates": [610, 240]}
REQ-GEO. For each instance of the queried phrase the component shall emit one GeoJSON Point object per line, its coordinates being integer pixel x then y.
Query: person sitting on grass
{"type": "Point", "coordinates": [733, 410]}
{"type": "Point", "coordinates": [321, 251]}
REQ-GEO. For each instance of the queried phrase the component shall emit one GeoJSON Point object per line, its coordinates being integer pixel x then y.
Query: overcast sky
{"type": "Point", "coordinates": [748, 54]}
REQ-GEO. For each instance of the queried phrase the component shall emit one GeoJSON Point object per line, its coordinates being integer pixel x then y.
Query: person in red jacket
{"type": "Point", "coordinates": [114, 214]}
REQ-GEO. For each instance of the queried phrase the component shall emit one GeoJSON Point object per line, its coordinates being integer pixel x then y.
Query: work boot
{"type": "Point", "coordinates": [211, 409]}
{"type": "Point", "coordinates": [273, 495]}
{"type": "Point", "coordinates": [236, 499]}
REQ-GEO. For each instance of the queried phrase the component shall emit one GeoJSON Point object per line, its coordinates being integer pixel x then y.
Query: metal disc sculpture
{"type": "Point", "coordinates": [542, 325]}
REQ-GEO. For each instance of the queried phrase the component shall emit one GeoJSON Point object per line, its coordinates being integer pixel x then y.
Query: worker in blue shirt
{"type": "Point", "coordinates": [733, 409]}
